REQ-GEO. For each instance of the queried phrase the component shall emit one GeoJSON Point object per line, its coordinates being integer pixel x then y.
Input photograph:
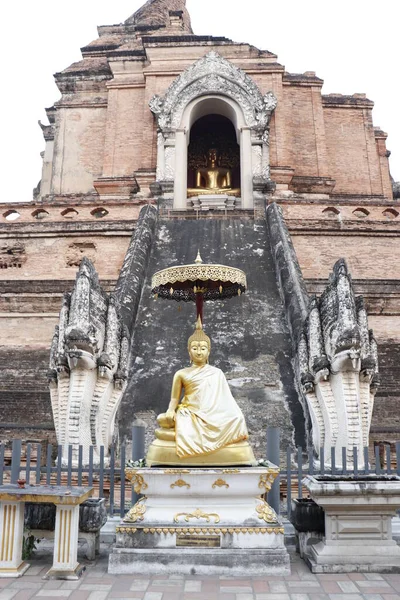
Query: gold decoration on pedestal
{"type": "Point", "coordinates": [201, 531]}
{"type": "Point", "coordinates": [267, 479]}
{"type": "Point", "coordinates": [220, 483]}
{"type": "Point", "coordinates": [137, 512]}
{"type": "Point", "coordinates": [136, 479]}
{"type": "Point", "coordinates": [180, 483]}
{"type": "Point", "coordinates": [266, 513]}
{"type": "Point", "coordinates": [197, 514]}
{"type": "Point", "coordinates": [176, 471]}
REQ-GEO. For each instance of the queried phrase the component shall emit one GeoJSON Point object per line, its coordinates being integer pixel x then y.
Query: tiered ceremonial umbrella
{"type": "Point", "coordinates": [198, 283]}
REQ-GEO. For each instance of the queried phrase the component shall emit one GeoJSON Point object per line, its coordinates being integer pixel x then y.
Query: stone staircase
{"type": "Point", "coordinates": [250, 338]}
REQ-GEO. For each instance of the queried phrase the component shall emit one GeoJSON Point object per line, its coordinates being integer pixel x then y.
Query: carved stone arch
{"type": "Point", "coordinates": [212, 77]}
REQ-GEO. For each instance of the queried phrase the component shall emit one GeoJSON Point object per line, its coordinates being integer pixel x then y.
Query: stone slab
{"type": "Point", "coordinates": [199, 561]}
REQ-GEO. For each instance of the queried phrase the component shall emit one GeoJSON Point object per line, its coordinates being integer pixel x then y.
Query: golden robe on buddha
{"type": "Point", "coordinates": [208, 417]}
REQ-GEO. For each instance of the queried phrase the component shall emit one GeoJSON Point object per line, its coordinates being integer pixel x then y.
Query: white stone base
{"type": "Point", "coordinates": [201, 521]}
{"type": "Point", "coordinates": [14, 572]}
{"type": "Point", "coordinates": [213, 202]}
{"type": "Point", "coordinates": [358, 524]}
{"type": "Point", "coordinates": [199, 561]}
{"type": "Point", "coordinates": [369, 557]}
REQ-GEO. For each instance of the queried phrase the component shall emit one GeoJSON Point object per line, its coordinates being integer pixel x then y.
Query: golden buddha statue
{"type": "Point", "coordinates": [206, 427]}
{"type": "Point", "coordinates": [213, 179]}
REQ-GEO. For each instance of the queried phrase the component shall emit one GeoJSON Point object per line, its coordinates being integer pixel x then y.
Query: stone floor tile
{"type": "Point", "coordinates": [165, 582]}
{"type": "Point", "coordinates": [372, 597]}
{"type": "Point", "coordinates": [120, 595]}
{"type": "Point", "coordinates": [152, 596]}
{"type": "Point", "coordinates": [193, 586]}
{"type": "Point", "coordinates": [299, 597]}
{"type": "Point", "coordinates": [34, 570]}
{"type": "Point", "coordinates": [356, 576]}
{"type": "Point", "coordinates": [95, 587]}
{"type": "Point", "coordinates": [245, 596]}
{"type": "Point", "coordinates": [174, 596]}
{"type": "Point", "coordinates": [374, 576]}
{"type": "Point", "coordinates": [8, 594]}
{"type": "Point", "coordinates": [23, 584]}
{"type": "Point", "coordinates": [78, 595]}
{"type": "Point", "coordinates": [97, 595]}
{"type": "Point", "coordinates": [336, 576]}
{"type": "Point", "coordinates": [53, 584]}
{"type": "Point", "coordinates": [24, 595]}
{"type": "Point", "coordinates": [236, 589]}
{"type": "Point", "coordinates": [332, 587]}
{"type": "Point", "coordinates": [390, 596]}
{"type": "Point", "coordinates": [367, 585]}
{"type": "Point", "coordinates": [261, 586]}
{"type": "Point", "coordinates": [348, 587]}
{"type": "Point", "coordinates": [375, 590]}
{"type": "Point", "coordinates": [345, 597]}
{"type": "Point", "coordinates": [209, 587]}
{"type": "Point", "coordinates": [272, 597]}
{"type": "Point", "coordinates": [211, 596]}
{"type": "Point", "coordinates": [139, 585]}
{"type": "Point", "coordinates": [53, 594]}
{"type": "Point", "coordinates": [278, 587]}
{"type": "Point", "coordinates": [303, 584]}
{"type": "Point", "coordinates": [319, 597]}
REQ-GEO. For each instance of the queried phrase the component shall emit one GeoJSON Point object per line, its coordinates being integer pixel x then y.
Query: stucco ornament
{"type": "Point", "coordinates": [213, 74]}
{"type": "Point", "coordinates": [338, 369]}
{"type": "Point", "coordinates": [88, 367]}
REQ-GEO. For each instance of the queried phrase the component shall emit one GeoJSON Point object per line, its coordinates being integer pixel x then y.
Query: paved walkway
{"type": "Point", "coordinates": [96, 584]}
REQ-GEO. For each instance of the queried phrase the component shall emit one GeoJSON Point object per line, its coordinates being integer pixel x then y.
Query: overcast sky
{"type": "Point", "coordinates": [351, 44]}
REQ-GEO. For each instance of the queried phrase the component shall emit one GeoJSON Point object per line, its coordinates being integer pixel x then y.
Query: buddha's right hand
{"type": "Point", "coordinates": [170, 414]}
{"type": "Point", "coordinates": [167, 420]}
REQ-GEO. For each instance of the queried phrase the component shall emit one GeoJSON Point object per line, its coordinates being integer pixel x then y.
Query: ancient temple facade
{"type": "Point", "coordinates": [163, 142]}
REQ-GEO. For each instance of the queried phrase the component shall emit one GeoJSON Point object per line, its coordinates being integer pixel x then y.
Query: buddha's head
{"type": "Point", "coordinates": [199, 345]}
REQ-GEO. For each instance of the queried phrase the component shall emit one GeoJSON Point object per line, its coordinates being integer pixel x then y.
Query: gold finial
{"type": "Point", "coordinates": [199, 335]}
{"type": "Point", "coordinates": [198, 260]}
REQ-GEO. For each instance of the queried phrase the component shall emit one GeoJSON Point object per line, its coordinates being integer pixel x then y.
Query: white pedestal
{"type": "Point", "coordinates": [358, 525]}
{"type": "Point", "coordinates": [206, 202]}
{"type": "Point", "coordinates": [201, 521]}
{"type": "Point", "coordinates": [11, 535]}
{"type": "Point", "coordinates": [65, 561]}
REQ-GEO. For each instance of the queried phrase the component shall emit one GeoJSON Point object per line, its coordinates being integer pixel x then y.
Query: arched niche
{"type": "Point", "coordinates": [201, 107]}
{"type": "Point", "coordinates": [212, 85]}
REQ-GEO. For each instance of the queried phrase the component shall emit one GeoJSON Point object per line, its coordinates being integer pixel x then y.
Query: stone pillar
{"type": "Point", "coordinates": [180, 170]}
{"type": "Point", "coordinates": [11, 535]}
{"type": "Point", "coordinates": [65, 555]}
{"type": "Point", "coordinates": [246, 168]}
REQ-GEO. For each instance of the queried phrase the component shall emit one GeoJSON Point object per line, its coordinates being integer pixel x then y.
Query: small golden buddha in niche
{"type": "Point", "coordinates": [213, 179]}
{"type": "Point", "coordinates": [206, 426]}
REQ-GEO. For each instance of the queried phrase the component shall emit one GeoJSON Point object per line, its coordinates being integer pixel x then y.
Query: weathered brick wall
{"type": "Point", "coordinates": [58, 257]}
{"type": "Point", "coordinates": [24, 396]}
{"type": "Point", "coordinates": [353, 159]}
{"type": "Point", "coordinates": [386, 410]}
{"type": "Point", "coordinates": [367, 257]}
{"type": "Point", "coordinates": [79, 149]}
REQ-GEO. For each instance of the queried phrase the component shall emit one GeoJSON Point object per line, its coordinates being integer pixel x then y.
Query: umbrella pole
{"type": "Point", "coordinates": [199, 306]}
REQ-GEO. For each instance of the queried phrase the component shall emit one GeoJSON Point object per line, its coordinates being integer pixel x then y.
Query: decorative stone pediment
{"type": "Point", "coordinates": [213, 74]}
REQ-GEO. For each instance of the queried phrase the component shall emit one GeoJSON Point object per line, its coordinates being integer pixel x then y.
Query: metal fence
{"type": "Point", "coordinates": [39, 464]}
